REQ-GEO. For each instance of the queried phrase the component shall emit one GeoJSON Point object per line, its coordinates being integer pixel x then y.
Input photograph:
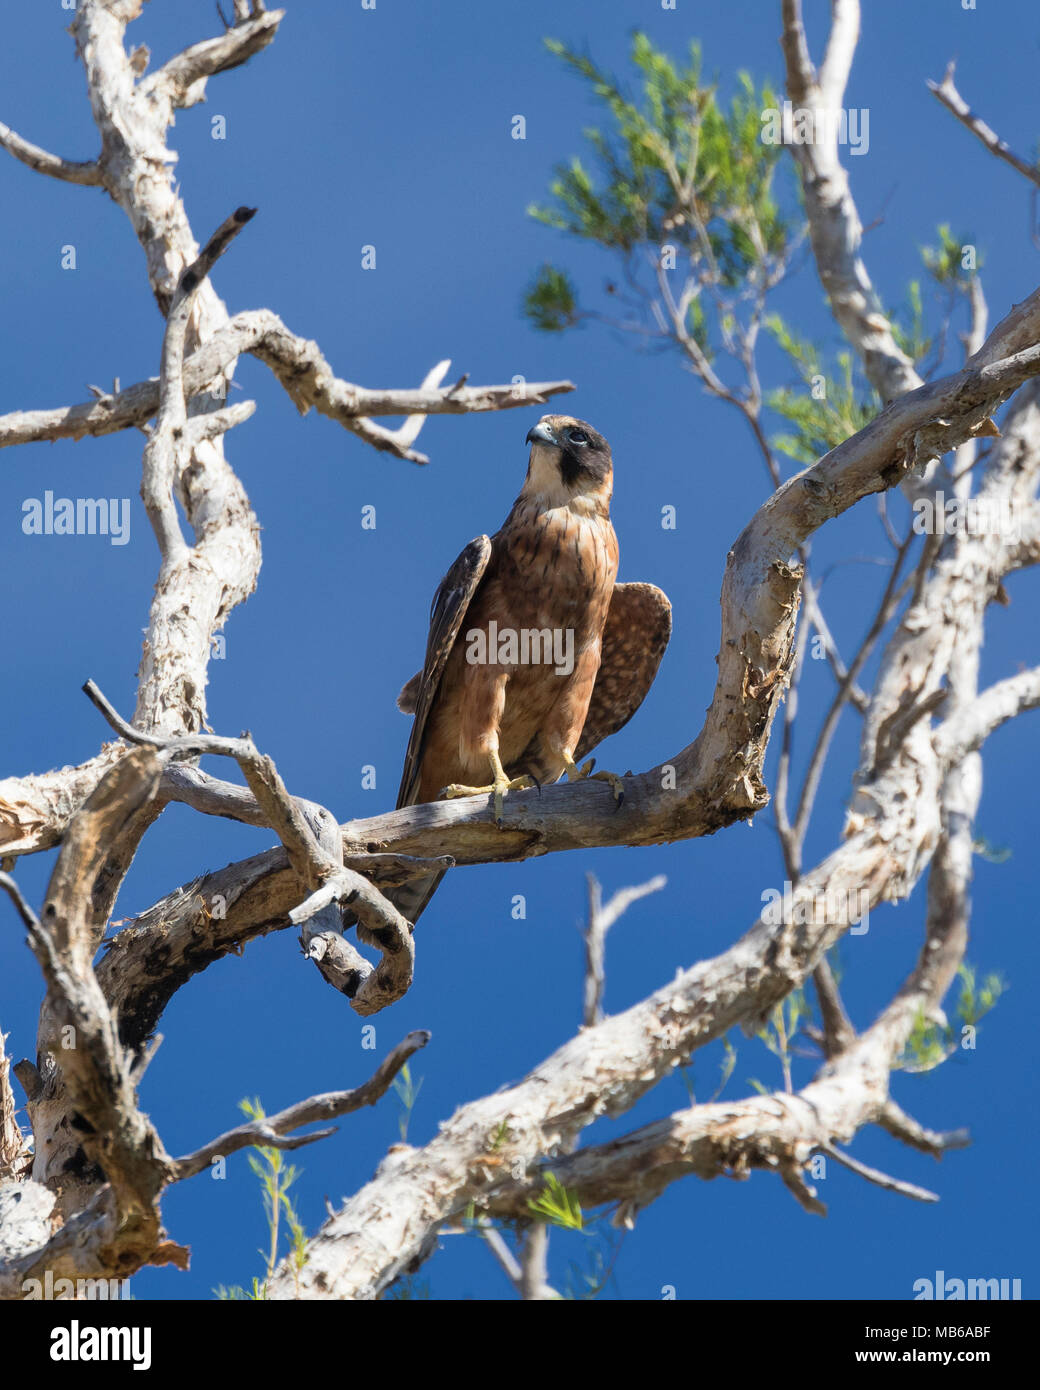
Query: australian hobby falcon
{"type": "Point", "coordinates": [534, 654]}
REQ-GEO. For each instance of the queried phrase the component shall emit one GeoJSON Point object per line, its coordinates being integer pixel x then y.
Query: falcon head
{"type": "Point", "coordinates": [568, 459]}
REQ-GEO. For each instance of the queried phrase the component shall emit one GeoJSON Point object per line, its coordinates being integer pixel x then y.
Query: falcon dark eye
{"type": "Point", "coordinates": [577, 436]}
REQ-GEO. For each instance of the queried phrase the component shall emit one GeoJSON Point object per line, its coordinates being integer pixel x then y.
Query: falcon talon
{"type": "Point", "coordinates": [576, 773]}
{"type": "Point", "coordinates": [616, 786]}
{"type": "Point", "coordinates": [516, 784]}
{"type": "Point", "coordinates": [454, 790]}
{"type": "Point", "coordinates": [496, 789]}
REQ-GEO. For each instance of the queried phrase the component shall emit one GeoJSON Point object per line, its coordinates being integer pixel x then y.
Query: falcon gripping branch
{"type": "Point", "coordinates": [535, 654]}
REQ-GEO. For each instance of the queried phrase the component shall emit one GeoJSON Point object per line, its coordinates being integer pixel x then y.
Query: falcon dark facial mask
{"type": "Point", "coordinates": [583, 453]}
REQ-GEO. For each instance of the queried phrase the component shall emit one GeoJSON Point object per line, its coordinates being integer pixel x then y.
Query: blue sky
{"type": "Point", "coordinates": [392, 128]}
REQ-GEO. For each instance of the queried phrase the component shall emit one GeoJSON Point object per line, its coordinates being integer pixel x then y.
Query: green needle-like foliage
{"type": "Point", "coordinates": [676, 168]}
{"type": "Point", "coordinates": [556, 1206]}
{"type": "Point", "coordinates": [550, 301]}
{"type": "Point", "coordinates": [275, 1177]}
{"type": "Point", "coordinates": [829, 411]}
{"type": "Point", "coordinates": [407, 1093]}
{"type": "Point", "coordinates": [680, 134]}
{"type": "Point", "coordinates": [945, 261]}
{"type": "Point", "coordinates": [930, 1044]}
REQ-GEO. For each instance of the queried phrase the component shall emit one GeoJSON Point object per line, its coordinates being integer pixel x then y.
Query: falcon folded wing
{"type": "Point", "coordinates": [447, 612]}
{"type": "Point", "coordinates": [638, 627]}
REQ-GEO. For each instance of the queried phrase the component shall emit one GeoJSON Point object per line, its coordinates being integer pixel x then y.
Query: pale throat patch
{"type": "Point", "coordinates": [584, 497]}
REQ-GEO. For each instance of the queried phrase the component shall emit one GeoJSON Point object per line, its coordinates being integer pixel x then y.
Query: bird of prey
{"type": "Point", "coordinates": [535, 654]}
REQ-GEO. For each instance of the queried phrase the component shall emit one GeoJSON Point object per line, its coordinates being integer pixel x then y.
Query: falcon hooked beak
{"type": "Point", "coordinates": [542, 433]}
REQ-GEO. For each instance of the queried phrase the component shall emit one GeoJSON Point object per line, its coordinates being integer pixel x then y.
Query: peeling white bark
{"type": "Point", "coordinates": [834, 225]}
{"type": "Point", "coordinates": [99, 1163]}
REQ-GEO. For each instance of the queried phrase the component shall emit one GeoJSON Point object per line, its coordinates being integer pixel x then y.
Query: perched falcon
{"type": "Point", "coordinates": [534, 654]}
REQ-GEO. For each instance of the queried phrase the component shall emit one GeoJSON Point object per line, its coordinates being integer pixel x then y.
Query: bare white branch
{"type": "Point", "coordinates": [182, 81]}
{"type": "Point", "coordinates": [87, 172]}
{"type": "Point", "coordinates": [600, 920]}
{"type": "Point", "coordinates": [14, 1149]}
{"type": "Point", "coordinates": [946, 91]}
{"type": "Point", "coordinates": [966, 731]}
{"type": "Point", "coordinates": [274, 1131]}
{"type": "Point", "coordinates": [302, 369]}
{"type": "Point", "coordinates": [834, 225]}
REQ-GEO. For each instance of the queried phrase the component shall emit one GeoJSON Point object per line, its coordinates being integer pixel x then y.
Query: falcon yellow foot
{"type": "Point", "coordinates": [497, 789]}
{"type": "Point", "coordinates": [576, 773]}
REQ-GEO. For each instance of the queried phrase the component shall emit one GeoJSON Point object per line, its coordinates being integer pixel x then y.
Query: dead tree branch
{"type": "Point", "coordinates": [304, 372]}
{"type": "Point", "coordinates": [274, 1131]}
{"type": "Point", "coordinates": [85, 172]}
{"type": "Point", "coordinates": [834, 225]}
{"type": "Point", "coordinates": [946, 92]}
